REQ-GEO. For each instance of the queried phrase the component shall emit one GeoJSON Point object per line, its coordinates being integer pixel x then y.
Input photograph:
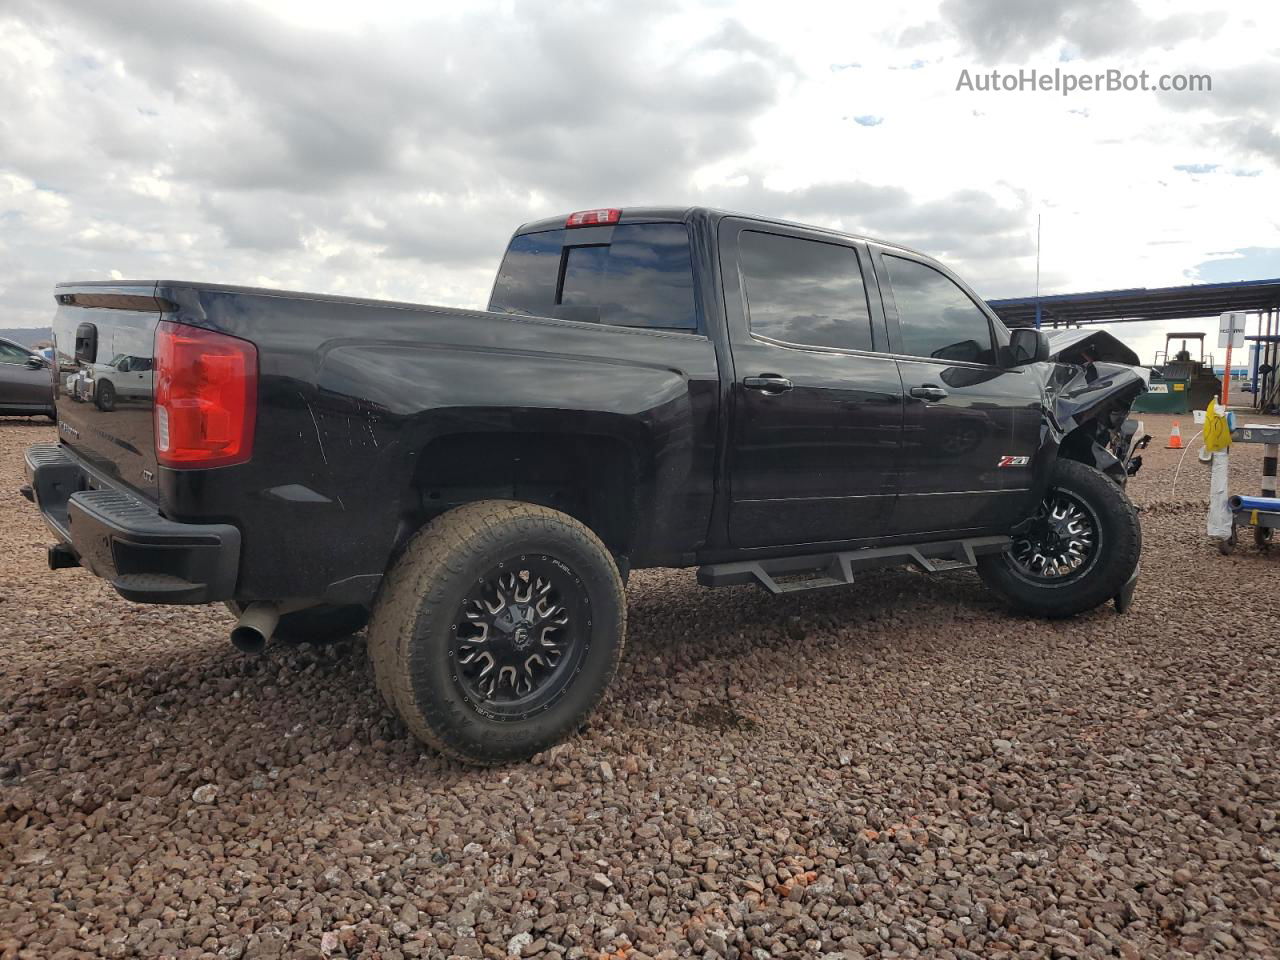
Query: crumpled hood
{"type": "Point", "coordinates": [1080, 393]}
{"type": "Point", "coordinates": [1089, 374]}
{"type": "Point", "coordinates": [1075, 346]}
{"type": "Point", "coordinates": [1089, 384]}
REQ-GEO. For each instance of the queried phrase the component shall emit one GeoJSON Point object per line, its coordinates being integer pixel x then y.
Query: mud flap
{"type": "Point", "coordinates": [1124, 599]}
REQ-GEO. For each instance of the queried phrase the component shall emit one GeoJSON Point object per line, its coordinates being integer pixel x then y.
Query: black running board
{"type": "Point", "coordinates": [792, 574]}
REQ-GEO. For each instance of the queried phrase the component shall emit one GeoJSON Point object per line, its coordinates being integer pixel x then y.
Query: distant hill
{"type": "Point", "coordinates": [28, 336]}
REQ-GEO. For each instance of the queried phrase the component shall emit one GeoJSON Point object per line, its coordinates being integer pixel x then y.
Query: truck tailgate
{"type": "Point", "coordinates": [104, 340]}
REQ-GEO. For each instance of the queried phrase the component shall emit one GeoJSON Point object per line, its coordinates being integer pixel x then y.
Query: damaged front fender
{"type": "Point", "coordinates": [1089, 385]}
{"type": "Point", "coordinates": [1076, 395]}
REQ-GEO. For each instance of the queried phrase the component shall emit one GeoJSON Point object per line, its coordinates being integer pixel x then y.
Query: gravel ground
{"type": "Point", "coordinates": [893, 770]}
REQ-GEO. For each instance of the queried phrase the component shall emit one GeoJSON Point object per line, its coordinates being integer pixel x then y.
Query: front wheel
{"type": "Point", "coordinates": [1076, 553]}
{"type": "Point", "coordinates": [497, 631]}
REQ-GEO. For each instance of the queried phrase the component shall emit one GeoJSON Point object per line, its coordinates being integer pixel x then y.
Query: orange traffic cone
{"type": "Point", "coordinates": [1175, 438]}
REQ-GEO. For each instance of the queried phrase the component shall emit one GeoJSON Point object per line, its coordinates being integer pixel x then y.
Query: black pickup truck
{"type": "Point", "coordinates": [769, 402]}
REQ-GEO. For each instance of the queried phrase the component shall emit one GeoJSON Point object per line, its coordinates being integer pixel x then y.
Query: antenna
{"type": "Point", "coordinates": [1037, 271]}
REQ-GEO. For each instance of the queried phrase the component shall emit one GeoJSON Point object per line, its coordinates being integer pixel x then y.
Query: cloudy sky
{"type": "Point", "coordinates": [388, 149]}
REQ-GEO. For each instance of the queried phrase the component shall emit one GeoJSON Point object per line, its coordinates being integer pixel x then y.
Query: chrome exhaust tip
{"type": "Point", "coordinates": [255, 627]}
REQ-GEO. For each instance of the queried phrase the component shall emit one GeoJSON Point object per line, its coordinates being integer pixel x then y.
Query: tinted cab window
{"type": "Point", "coordinates": [936, 318]}
{"type": "Point", "coordinates": [631, 275]}
{"type": "Point", "coordinates": [804, 292]}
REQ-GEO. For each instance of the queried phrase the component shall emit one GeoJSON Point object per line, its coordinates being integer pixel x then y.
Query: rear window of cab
{"type": "Point", "coordinates": [629, 275]}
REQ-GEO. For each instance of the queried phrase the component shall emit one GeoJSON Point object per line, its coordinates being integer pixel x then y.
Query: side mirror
{"type": "Point", "coordinates": [35, 362]}
{"type": "Point", "coordinates": [1026, 346]}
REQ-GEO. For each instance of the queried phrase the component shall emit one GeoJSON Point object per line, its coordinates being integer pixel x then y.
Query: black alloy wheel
{"type": "Point", "coordinates": [496, 632]}
{"type": "Point", "coordinates": [1062, 542]}
{"type": "Point", "coordinates": [520, 636]}
{"type": "Point", "coordinates": [1079, 549]}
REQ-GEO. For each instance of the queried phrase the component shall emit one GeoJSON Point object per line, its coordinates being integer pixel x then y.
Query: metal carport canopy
{"type": "Point", "coordinates": [1140, 303]}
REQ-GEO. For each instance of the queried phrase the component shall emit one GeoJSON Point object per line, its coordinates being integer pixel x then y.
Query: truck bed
{"type": "Point", "coordinates": [352, 395]}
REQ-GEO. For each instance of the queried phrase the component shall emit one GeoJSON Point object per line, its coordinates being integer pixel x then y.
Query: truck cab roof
{"type": "Point", "coordinates": [674, 214]}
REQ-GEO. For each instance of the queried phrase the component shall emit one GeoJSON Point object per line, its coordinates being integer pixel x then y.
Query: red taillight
{"type": "Point", "coordinates": [592, 218]}
{"type": "Point", "coordinates": [206, 397]}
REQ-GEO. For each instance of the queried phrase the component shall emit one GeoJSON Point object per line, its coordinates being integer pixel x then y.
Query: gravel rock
{"type": "Point", "coordinates": [516, 945]}
{"type": "Point", "coordinates": [205, 793]}
{"type": "Point", "coordinates": [599, 881]}
{"type": "Point", "coordinates": [1003, 801]}
{"type": "Point", "coordinates": [897, 769]}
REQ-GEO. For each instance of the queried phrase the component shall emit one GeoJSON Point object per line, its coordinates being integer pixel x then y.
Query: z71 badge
{"type": "Point", "coordinates": [1014, 462]}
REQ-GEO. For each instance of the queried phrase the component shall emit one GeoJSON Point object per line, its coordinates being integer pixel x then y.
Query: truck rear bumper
{"type": "Point", "coordinates": [124, 540]}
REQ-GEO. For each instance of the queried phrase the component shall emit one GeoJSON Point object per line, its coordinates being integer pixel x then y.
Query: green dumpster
{"type": "Point", "coordinates": [1165, 396]}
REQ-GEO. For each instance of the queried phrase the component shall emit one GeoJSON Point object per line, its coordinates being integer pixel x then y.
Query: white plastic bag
{"type": "Point", "coordinates": [1219, 522]}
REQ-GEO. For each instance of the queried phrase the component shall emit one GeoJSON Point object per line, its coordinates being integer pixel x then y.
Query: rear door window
{"type": "Point", "coordinates": [527, 278]}
{"type": "Point", "coordinates": [639, 275]}
{"type": "Point", "coordinates": [804, 292]}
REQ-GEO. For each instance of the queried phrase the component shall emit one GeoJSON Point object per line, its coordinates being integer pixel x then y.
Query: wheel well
{"type": "Point", "coordinates": [1085, 444]}
{"type": "Point", "coordinates": [1078, 445]}
{"type": "Point", "coordinates": [589, 477]}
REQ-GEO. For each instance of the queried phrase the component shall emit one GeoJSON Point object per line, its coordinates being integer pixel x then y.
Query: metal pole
{"type": "Point", "coordinates": [1226, 375]}
{"type": "Point", "coordinates": [1038, 272]}
{"type": "Point", "coordinates": [1273, 352]}
{"type": "Point", "coordinates": [1257, 359]}
{"type": "Point", "coordinates": [1261, 358]}
{"type": "Point", "coordinates": [1260, 397]}
{"type": "Point", "coordinates": [1260, 391]}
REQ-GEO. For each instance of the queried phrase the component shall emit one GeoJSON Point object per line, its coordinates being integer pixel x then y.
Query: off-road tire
{"type": "Point", "coordinates": [1118, 549]}
{"type": "Point", "coordinates": [411, 631]}
{"type": "Point", "coordinates": [323, 624]}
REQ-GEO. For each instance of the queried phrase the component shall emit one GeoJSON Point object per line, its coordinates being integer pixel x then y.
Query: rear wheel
{"type": "Point", "coordinates": [498, 630]}
{"type": "Point", "coordinates": [1077, 552]}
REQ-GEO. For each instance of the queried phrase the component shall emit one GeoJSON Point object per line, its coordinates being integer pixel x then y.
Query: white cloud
{"type": "Point", "coordinates": [388, 149]}
{"type": "Point", "coordinates": [27, 207]}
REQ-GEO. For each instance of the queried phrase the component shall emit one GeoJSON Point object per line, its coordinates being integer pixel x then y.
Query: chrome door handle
{"type": "Point", "coordinates": [929, 393]}
{"type": "Point", "coordinates": [769, 383]}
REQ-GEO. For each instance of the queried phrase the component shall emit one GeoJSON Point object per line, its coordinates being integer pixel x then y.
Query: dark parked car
{"type": "Point", "coordinates": [26, 384]}
{"type": "Point", "coordinates": [769, 402]}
